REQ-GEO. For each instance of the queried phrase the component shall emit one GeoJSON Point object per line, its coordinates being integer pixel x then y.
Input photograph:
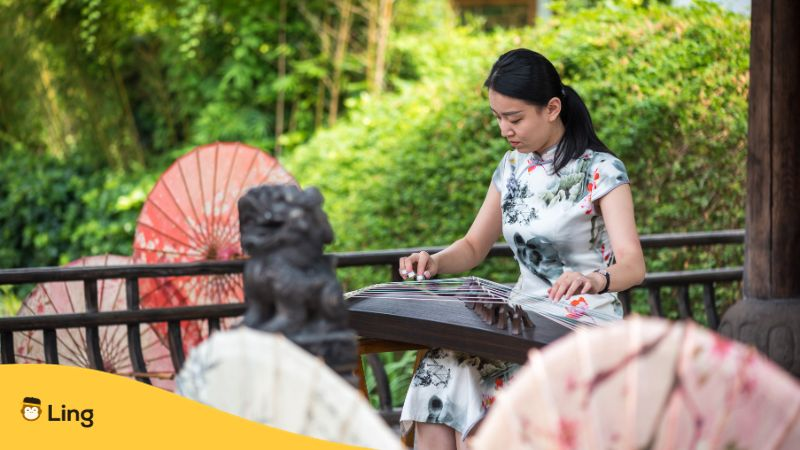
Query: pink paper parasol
{"type": "Point", "coordinates": [61, 297]}
{"type": "Point", "coordinates": [646, 383]}
{"type": "Point", "coordinates": [191, 215]}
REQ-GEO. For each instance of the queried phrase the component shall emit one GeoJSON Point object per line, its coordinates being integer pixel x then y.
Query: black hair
{"type": "Point", "coordinates": [528, 76]}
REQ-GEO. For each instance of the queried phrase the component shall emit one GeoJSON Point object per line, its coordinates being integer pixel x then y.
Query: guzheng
{"type": "Point", "coordinates": [441, 313]}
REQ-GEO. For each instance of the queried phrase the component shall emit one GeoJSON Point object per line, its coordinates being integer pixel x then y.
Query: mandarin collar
{"type": "Point", "coordinates": [547, 156]}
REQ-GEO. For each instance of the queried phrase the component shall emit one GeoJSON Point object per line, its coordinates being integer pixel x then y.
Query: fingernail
{"type": "Point", "coordinates": [411, 275]}
{"type": "Point", "coordinates": [420, 277]}
{"type": "Point", "coordinates": [427, 274]}
{"type": "Point", "coordinates": [403, 271]}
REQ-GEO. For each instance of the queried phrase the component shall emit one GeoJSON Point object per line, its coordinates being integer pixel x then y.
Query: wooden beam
{"type": "Point", "coordinates": [773, 206]}
{"type": "Point", "coordinates": [785, 150]}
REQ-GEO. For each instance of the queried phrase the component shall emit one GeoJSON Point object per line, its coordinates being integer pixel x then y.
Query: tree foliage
{"type": "Point", "coordinates": [98, 98]}
{"type": "Point", "coordinates": [120, 81]}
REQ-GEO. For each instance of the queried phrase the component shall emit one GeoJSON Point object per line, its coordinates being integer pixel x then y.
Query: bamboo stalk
{"type": "Point", "coordinates": [342, 43]}
{"type": "Point", "coordinates": [280, 106]}
{"type": "Point", "coordinates": [383, 40]}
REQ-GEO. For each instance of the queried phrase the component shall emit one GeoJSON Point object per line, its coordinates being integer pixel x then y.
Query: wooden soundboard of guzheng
{"type": "Point", "coordinates": [447, 324]}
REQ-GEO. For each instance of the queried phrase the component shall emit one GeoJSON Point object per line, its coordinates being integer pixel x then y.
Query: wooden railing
{"type": "Point", "coordinates": [92, 319]}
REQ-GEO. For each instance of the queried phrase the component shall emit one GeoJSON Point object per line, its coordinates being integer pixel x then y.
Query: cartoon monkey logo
{"type": "Point", "coordinates": [31, 408]}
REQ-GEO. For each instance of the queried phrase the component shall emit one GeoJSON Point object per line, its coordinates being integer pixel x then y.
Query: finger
{"type": "Point", "coordinates": [573, 287]}
{"type": "Point", "coordinates": [410, 260]}
{"type": "Point", "coordinates": [556, 287]}
{"type": "Point", "coordinates": [422, 264]}
{"type": "Point", "coordinates": [559, 288]}
{"type": "Point", "coordinates": [402, 265]}
{"type": "Point", "coordinates": [587, 286]}
{"type": "Point", "coordinates": [432, 268]}
{"type": "Point", "coordinates": [556, 290]}
{"type": "Point", "coordinates": [565, 284]}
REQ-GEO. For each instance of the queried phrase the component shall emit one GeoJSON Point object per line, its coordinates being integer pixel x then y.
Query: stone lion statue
{"type": "Point", "coordinates": [290, 285]}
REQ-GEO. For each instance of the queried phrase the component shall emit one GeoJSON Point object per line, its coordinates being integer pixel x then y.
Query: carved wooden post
{"type": "Point", "coordinates": [768, 316]}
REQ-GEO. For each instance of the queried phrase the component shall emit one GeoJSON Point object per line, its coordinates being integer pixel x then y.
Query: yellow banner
{"type": "Point", "coordinates": [54, 407]}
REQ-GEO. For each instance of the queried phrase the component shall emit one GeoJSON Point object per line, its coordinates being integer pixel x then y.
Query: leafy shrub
{"type": "Point", "coordinates": [53, 211]}
{"type": "Point", "coordinates": [668, 93]}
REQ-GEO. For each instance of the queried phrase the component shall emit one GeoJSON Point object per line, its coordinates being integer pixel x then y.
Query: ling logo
{"type": "Point", "coordinates": [32, 410]}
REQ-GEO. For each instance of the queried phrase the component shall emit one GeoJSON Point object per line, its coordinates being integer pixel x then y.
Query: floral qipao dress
{"type": "Point", "coordinates": [552, 223]}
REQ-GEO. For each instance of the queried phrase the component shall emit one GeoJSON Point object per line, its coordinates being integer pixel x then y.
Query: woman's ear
{"type": "Point", "coordinates": [553, 109]}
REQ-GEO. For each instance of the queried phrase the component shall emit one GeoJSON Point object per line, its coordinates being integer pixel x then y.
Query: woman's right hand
{"type": "Point", "coordinates": [419, 266]}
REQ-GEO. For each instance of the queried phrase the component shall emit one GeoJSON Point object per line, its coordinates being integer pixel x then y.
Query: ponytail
{"type": "Point", "coordinates": [579, 133]}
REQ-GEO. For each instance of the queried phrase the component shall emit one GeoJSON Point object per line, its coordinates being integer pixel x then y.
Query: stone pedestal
{"type": "Point", "coordinates": [773, 326]}
{"type": "Point", "coordinates": [339, 350]}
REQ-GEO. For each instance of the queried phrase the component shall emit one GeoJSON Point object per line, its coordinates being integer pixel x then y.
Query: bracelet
{"type": "Point", "coordinates": [607, 275]}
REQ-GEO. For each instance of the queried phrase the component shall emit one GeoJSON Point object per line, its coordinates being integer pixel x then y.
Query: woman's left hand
{"type": "Point", "coordinates": [571, 283]}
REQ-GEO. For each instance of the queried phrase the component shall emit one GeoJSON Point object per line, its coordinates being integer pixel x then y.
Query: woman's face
{"type": "Point", "coordinates": [528, 128]}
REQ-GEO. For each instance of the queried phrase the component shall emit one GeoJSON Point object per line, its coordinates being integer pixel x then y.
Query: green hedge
{"type": "Point", "coordinates": [53, 211]}
{"type": "Point", "coordinates": [667, 88]}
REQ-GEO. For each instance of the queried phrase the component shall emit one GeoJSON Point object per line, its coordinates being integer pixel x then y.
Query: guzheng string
{"type": "Point", "coordinates": [479, 290]}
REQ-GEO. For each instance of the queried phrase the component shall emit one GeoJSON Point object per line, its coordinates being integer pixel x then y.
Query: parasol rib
{"type": "Point", "coordinates": [230, 172]}
{"type": "Point", "coordinates": [212, 221]}
{"type": "Point", "coordinates": [185, 185]}
{"type": "Point", "coordinates": [170, 238]}
{"type": "Point", "coordinates": [232, 232]}
{"type": "Point", "coordinates": [240, 190]}
{"type": "Point", "coordinates": [190, 231]}
{"type": "Point", "coordinates": [69, 333]}
{"type": "Point", "coordinates": [202, 194]}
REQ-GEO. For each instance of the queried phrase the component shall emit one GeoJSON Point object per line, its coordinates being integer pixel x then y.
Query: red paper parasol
{"type": "Point", "coordinates": [61, 297]}
{"type": "Point", "coordinates": [191, 215]}
{"type": "Point", "coordinates": [646, 383]}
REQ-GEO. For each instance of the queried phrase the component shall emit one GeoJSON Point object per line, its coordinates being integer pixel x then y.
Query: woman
{"type": "Point", "coordinates": [562, 201]}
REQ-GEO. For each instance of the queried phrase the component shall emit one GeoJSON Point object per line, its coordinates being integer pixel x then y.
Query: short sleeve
{"type": "Point", "coordinates": [499, 173]}
{"type": "Point", "coordinates": [608, 173]}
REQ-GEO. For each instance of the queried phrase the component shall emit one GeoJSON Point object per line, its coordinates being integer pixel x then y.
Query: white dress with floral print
{"type": "Point", "coordinates": [552, 223]}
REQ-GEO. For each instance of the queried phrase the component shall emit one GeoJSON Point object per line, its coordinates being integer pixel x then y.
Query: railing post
{"type": "Point", "coordinates": [654, 300]}
{"type": "Point", "coordinates": [710, 305]}
{"type": "Point", "coordinates": [213, 325]}
{"type": "Point", "coordinates": [381, 381]}
{"type": "Point", "coordinates": [92, 332]}
{"type": "Point", "coordinates": [6, 347]}
{"type": "Point", "coordinates": [684, 305]}
{"type": "Point", "coordinates": [134, 330]}
{"type": "Point", "coordinates": [175, 344]}
{"type": "Point", "coordinates": [625, 298]}
{"type": "Point", "coordinates": [50, 346]}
